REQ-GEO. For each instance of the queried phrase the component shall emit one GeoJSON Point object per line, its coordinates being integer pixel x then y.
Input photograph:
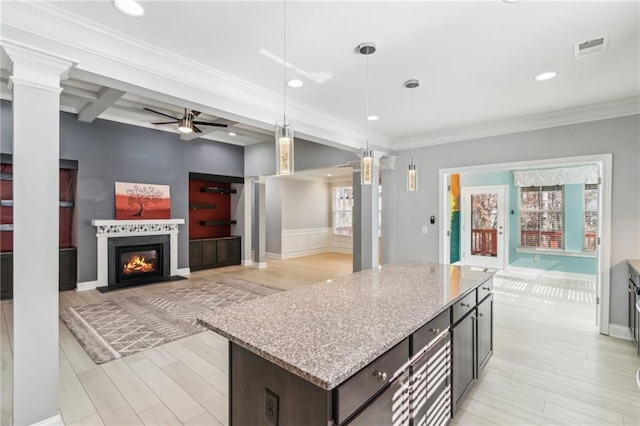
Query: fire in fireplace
{"type": "Point", "coordinates": [137, 260]}
{"type": "Point", "coordinates": [139, 263]}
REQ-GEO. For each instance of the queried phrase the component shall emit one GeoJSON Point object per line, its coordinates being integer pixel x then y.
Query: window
{"type": "Point", "coordinates": [342, 202]}
{"type": "Point", "coordinates": [542, 217]}
{"type": "Point", "coordinates": [590, 217]}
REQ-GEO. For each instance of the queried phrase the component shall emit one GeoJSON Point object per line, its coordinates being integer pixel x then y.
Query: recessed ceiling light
{"type": "Point", "coordinates": [231, 134]}
{"type": "Point", "coordinates": [328, 174]}
{"type": "Point", "coordinates": [295, 83]}
{"type": "Point", "coordinates": [373, 118]}
{"type": "Point", "coordinates": [129, 7]}
{"type": "Point", "coordinates": [546, 76]}
{"type": "Point", "coordinates": [511, 1]}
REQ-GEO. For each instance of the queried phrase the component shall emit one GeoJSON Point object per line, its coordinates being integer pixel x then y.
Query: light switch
{"type": "Point", "coordinates": [425, 229]}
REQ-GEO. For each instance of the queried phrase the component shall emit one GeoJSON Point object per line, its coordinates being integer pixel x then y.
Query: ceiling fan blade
{"type": "Point", "coordinates": [196, 130]}
{"type": "Point", "coordinates": [166, 122]}
{"type": "Point", "coordinates": [206, 123]}
{"type": "Point", "coordinates": [159, 113]}
{"type": "Point", "coordinates": [194, 114]}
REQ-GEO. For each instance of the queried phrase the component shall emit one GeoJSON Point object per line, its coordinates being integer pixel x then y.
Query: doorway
{"type": "Point", "coordinates": [483, 228]}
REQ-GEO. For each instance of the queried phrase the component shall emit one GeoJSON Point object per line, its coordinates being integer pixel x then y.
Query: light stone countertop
{"type": "Point", "coordinates": [328, 331]}
{"type": "Point", "coordinates": [635, 264]}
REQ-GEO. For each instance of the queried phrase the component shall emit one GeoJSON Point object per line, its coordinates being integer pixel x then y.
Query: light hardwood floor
{"type": "Point", "coordinates": [550, 366]}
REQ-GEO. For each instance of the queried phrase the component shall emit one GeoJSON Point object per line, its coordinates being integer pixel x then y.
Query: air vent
{"type": "Point", "coordinates": [589, 47]}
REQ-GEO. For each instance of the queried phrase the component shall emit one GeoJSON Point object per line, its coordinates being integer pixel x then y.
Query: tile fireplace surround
{"type": "Point", "coordinates": [106, 229]}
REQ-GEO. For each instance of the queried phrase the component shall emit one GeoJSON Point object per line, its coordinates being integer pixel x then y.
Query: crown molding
{"type": "Point", "coordinates": [34, 67]}
{"type": "Point", "coordinates": [600, 111]}
{"type": "Point", "coordinates": [116, 56]}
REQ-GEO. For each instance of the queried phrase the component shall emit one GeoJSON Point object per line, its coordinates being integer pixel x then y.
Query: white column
{"type": "Point", "coordinates": [35, 82]}
{"type": "Point", "coordinates": [387, 169]}
{"type": "Point", "coordinates": [241, 212]}
{"type": "Point", "coordinates": [365, 219]}
{"type": "Point", "coordinates": [260, 238]}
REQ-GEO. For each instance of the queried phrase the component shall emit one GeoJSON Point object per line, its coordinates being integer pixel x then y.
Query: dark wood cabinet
{"type": "Point", "coordinates": [484, 331]}
{"type": "Point", "coordinates": [431, 384]}
{"type": "Point", "coordinates": [214, 252]}
{"type": "Point", "coordinates": [464, 354]}
{"type": "Point", "coordinates": [67, 271]}
{"type": "Point", "coordinates": [472, 340]}
{"type": "Point", "coordinates": [391, 407]}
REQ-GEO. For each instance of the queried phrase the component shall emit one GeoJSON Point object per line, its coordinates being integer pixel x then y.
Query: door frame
{"type": "Point", "coordinates": [604, 162]}
{"type": "Point", "coordinates": [503, 210]}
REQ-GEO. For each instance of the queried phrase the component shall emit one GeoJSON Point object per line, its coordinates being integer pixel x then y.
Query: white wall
{"type": "Point", "coordinates": [305, 204]}
{"type": "Point", "coordinates": [619, 136]}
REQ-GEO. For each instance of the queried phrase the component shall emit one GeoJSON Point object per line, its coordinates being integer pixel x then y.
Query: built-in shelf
{"type": "Point", "coordinates": [216, 190]}
{"type": "Point", "coordinates": [6, 176]}
{"type": "Point", "coordinates": [65, 204]}
{"type": "Point", "coordinates": [217, 222]}
{"type": "Point", "coordinates": [6, 227]}
{"type": "Point", "coordinates": [197, 206]}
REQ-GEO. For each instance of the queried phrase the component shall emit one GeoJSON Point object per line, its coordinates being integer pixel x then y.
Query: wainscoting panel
{"type": "Point", "coordinates": [303, 242]}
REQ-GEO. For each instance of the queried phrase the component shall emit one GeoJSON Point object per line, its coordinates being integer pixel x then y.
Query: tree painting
{"type": "Point", "coordinates": [142, 201]}
{"type": "Point", "coordinates": [143, 195]}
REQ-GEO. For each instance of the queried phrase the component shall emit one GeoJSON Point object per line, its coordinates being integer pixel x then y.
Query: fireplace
{"type": "Point", "coordinates": [138, 260]}
{"type": "Point", "coordinates": [139, 263]}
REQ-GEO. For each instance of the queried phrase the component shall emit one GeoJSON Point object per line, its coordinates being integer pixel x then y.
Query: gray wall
{"type": "Point", "coordinates": [620, 136]}
{"type": "Point", "coordinates": [108, 152]}
{"type": "Point", "coordinates": [260, 158]}
{"type": "Point", "coordinates": [273, 209]}
{"type": "Point", "coordinates": [305, 204]}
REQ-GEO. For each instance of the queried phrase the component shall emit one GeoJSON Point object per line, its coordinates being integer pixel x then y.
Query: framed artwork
{"type": "Point", "coordinates": [142, 201]}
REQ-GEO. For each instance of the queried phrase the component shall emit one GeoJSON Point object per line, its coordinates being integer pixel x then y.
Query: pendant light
{"type": "Point", "coordinates": [284, 131]}
{"type": "Point", "coordinates": [412, 172]}
{"type": "Point", "coordinates": [366, 163]}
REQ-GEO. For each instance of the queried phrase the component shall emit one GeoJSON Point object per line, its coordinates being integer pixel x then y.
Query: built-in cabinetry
{"type": "Point", "coordinates": [67, 252]}
{"type": "Point", "coordinates": [472, 335]}
{"type": "Point", "coordinates": [634, 315]}
{"type": "Point", "coordinates": [211, 244]}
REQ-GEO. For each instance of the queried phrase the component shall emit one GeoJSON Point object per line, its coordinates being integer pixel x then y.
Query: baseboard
{"type": "Point", "coordinates": [260, 265]}
{"type": "Point", "coordinates": [87, 285]}
{"type": "Point", "coordinates": [303, 253]}
{"type": "Point", "coordinates": [549, 273]}
{"type": "Point", "coordinates": [51, 421]}
{"type": "Point", "coordinates": [619, 331]}
{"type": "Point", "coordinates": [183, 271]}
{"type": "Point", "coordinates": [273, 255]}
{"type": "Point", "coordinates": [247, 262]}
{"type": "Point", "coordinates": [340, 250]}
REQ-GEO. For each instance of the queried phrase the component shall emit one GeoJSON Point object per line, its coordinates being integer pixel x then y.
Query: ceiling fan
{"type": "Point", "coordinates": [187, 123]}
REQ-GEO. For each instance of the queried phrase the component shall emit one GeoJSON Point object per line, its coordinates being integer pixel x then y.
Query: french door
{"type": "Point", "coordinates": [484, 226]}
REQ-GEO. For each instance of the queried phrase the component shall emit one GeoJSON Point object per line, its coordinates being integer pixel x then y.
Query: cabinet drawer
{"type": "Point", "coordinates": [352, 394]}
{"type": "Point", "coordinates": [462, 306]}
{"type": "Point", "coordinates": [427, 333]}
{"type": "Point", "coordinates": [485, 289]}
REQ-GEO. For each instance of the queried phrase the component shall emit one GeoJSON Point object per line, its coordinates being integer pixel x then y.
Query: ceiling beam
{"type": "Point", "coordinates": [106, 98]}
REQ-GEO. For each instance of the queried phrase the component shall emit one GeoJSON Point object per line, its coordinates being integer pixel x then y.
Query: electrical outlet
{"type": "Point", "coordinates": [271, 402]}
{"type": "Point", "coordinates": [425, 229]}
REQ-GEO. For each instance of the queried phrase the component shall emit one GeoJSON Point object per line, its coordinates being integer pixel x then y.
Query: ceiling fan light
{"type": "Point", "coordinates": [185, 126]}
{"type": "Point", "coordinates": [129, 8]}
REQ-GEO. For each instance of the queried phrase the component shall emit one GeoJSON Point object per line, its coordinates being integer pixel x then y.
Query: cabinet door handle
{"type": "Point", "coordinates": [479, 315]}
{"type": "Point", "coordinates": [465, 305]}
{"type": "Point", "coordinates": [630, 290]}
{"type": "Point", "coordinates": [486, 288]}
{"type": "Point", "coordinates": [434, 330]}
{"type": "Point", "coordinates": [418, 377]}
{"type": "Point", "coordinates": [380, 375]}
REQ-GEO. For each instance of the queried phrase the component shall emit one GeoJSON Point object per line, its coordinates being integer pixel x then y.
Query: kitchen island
{"type": "Point", "coordinates": [392, 345]}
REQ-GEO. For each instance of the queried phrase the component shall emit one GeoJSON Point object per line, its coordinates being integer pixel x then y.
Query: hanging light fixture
{"type": "Point", "coordinates": [284, 131]}
{"type": "Point", "coordinates": [366, 163]}
{"type": "Point", "coordinates": [412, 172]}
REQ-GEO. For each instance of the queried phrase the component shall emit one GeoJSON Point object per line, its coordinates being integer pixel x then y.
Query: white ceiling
{"type": "Point", "coordinates": [476, 60]}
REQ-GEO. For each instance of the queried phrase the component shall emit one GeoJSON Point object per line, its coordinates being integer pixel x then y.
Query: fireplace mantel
{"type": "Point", "coordinates": [106, 229]}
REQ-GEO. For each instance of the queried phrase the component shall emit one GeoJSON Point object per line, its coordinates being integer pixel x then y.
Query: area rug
{"type": "Point", "coordinates": [122, 326]}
